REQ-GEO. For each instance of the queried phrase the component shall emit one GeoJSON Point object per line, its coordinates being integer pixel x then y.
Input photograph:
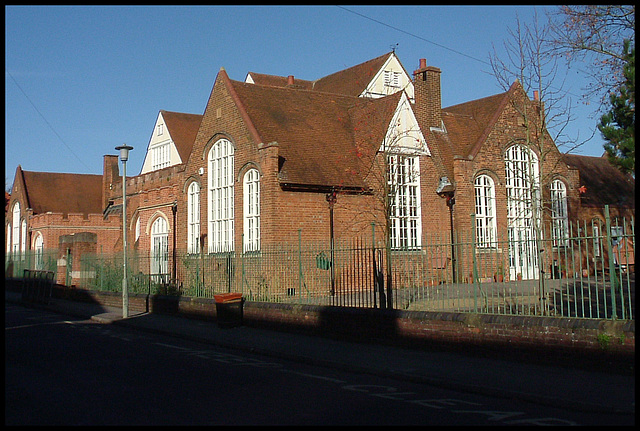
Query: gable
{"type": "Point", "coordinates": [390, 78]}
{"type": "Point", "coordinates": [404, 134]}
{"type": "Point", "coordinates": [171, 140]}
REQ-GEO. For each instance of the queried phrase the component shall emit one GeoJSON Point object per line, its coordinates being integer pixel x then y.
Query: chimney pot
{"type": "Point", "coordinates": [536, 96]}
{"type": "Point", "coordinates": [423, 63]}
{"type": "Point", "coordinates": [290, 80]}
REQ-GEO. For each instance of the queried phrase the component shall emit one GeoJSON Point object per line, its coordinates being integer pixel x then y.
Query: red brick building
{"type": "Point", "coordinates": [260, 165]}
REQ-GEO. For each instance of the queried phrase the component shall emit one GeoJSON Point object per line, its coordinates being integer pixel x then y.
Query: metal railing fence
{"type": "Point", "coordinates": [589, 272]}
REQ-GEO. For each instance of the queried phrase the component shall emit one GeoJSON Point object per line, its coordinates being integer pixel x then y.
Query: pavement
{"type": "Point", "coordinates": [608, 390]}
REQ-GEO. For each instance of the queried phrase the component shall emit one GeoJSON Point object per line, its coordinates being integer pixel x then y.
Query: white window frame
{"type": "Point", "coordinates": [596, 239]}
{"type": "Point", "coordinates": [159, 265]}
{"type": "Point", "coordinates": [38, 246]}
{"type": "Point", "coordinates": [160, 156]}
{"type": "Point", "coordinates": [15, 235]}
{"type": "Point", "coordinates": [193, 218]}
{"type": "Point", "coordinates": [523, 187]}
{"type": "Point", "coordinates": [559, 216]}
{"type": "Point", "coordinates": [9, 236]}
{"type": "Point", "coordinates": [251, 210]}
{"type": "Point", "coordinates": [403, 179]}
{"type": "Point", "coordinates": [220, 216]}
{"type": "Point", "coordinates": [485, 210]}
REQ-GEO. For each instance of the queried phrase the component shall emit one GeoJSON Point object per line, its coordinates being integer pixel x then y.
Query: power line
{"type": "Point", "coordinates": [45, 120]}
{"type": "Point", "coordinates": [429, 41]}
{"type": "Point", "coordinates": [416, 36]}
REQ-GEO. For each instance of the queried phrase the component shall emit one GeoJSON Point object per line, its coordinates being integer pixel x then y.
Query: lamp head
{"type": "Point", "coordinates": [124, 152]}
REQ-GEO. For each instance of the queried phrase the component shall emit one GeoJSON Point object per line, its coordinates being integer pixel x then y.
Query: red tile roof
{"type": "Point", "coordinates": [183, 129]}
{"type": "Point", "coordinates": [63, 193]}
{"type": "Point", "coordinates": [319, 135]}
{"type": "Point", "coordinates": [605, 184]}
{"type": "Point", "coordinates": [350, 82]}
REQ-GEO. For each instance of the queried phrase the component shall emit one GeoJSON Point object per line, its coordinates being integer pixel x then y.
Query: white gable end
{"type": "Point", "coordinates": [161, 151]}
{"type": "Point", "coordinates": [390, 79]}
{"type": "Point", "coordinates": [404, 135]}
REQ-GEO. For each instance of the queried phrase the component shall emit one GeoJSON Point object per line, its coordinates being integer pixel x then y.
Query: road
{"type": "Point", "coordinates": [60, 370]}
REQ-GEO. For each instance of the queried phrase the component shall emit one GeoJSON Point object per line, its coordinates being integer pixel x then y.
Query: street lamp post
{"type": "Point", "coordinates": [124, 156]}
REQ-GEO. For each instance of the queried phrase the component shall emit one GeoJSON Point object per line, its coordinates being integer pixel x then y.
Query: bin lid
{"type": "Point", "coordinates": [227, 297]}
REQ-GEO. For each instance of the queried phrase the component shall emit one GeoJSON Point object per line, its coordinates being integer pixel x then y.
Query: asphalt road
{"type": "Point", "coordinates": [60, 370]}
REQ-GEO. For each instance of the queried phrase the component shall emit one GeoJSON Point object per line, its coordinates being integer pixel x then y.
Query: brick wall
{"type": "Point", "coordinates": [535, 335]}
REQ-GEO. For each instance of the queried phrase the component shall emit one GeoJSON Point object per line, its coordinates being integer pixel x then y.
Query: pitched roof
{"type": "Point", "coordinates": [469, 123]}
{"type": "Point", "coordinates": [183, 129]}
{"type": "Point", "coordinates": [317, 133]}
{"type": "Point", "coordinates": [605, 184]}
{"type": "Point", "coordinates": [63, 193]}
{"type": "Point", "coordinates": [278, 81]}
{"type": "Point", "coordinates": [354, 80]}
{"type": "Point", "coordinates": [351, 81]}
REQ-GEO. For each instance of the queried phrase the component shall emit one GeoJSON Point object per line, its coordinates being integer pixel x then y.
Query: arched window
{"type": "Point", "coordinates": [523, 210]}
{"type": "Point", "coordinates": [160, 250]}
{"type": "Point", "coordinates": [251, 212]}
{"type": "Point", "coordinates": [23, 237]}
{"type": "Point", "coordinates": [38, 245]}
{"type": "Point", "coordinates": [193, 218]}
{"type": "Point", "coordinates": [485, 204]}
{"type": "Point", "coordinates": [15, 235]}
{"type": "Point", "coordinates": [137, 233]}
{"type": "Point", "coordinates": [221, 197]}
{"type": "Point", "coordinates": [9, 238]}
{"type": "Point", "coordinates": [559, 217]}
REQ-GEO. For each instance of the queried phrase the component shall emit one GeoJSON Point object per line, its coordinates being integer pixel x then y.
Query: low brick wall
{"type": "Point", "coordinates": [416, 329]}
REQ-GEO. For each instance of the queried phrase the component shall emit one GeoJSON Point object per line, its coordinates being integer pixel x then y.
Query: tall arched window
{"type": "Point", "coordinates": [38, 245]}
{"type": "Point", "coordinates": [523, 210]}
{"type": "Point", "coordinates": [251, 210]}
{"type": "Point", "coordinates": [559, 217]}
{"type": "Point", "coordinates": [15, 235]}
{"type": "Point", "coordinates": [221, 198]}
{"type": "Point", "coordinates": [193, 218]}
{"type": "Point", "coordinates": [485, 204]}
{"type": "Point", "coordinates": [160, 250]}
{"type": "Point", "coordinates": [23, 237]}
{"type": "Point", "coordinates": [9, 238]}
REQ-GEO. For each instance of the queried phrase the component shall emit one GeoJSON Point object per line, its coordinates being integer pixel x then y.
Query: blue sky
{"type": "Point", "coordinates": [80, 81]}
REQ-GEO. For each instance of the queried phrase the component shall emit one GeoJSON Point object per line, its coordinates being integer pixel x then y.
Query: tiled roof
{"type": "Point", "coordinates": [351, 82]}
{"type": "Point", "coordinates": [318, 134]}
{"type": "Point", "coordinates": [605, 184]}
{"type": "Point", "coordinates": [468, 123]}
{"type": "Point", "coordinates": [63, 193]}
{"type": "Point", "coordinates": [278, 81]}
{"type": "Point", "coordinates": [183, 129]}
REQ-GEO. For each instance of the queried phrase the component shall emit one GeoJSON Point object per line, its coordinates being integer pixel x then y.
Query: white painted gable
{"type": "Point", "coordinates": [404, 135]}
{"type": "Point", "coordinates": [161, 151]}
{"type": "Point", "coordinates": [390, 79]}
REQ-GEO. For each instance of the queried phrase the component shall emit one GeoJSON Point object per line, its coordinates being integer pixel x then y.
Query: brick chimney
{"type": "Point", "coordinates": [110, 173]}
{"type": "Point", "coordinates": [426, 83]}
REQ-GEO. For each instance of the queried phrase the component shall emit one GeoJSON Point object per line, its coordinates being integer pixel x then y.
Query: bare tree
{"type": "Point", "coordinates": [527, 60]}
{"type": "Point", "coordinates": [593, 35]}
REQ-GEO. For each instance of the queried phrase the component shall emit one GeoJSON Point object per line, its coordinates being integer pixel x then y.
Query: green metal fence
{"type": "Point", "coordinates": [588, 272]}
{"type": "Point", "coordinates": [39, 260]}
